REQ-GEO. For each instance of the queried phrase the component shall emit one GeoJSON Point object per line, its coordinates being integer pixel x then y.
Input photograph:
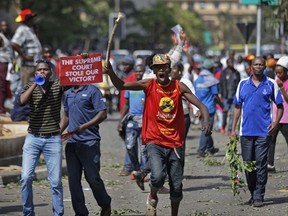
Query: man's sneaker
{"type": "Point", "coordinates": [213, 151]}
{"type": "Point", "coordinates": [140, 179]}
{"type": "Point", "coordinates": [258, 203]}
{"type": "Point", "coordinates": [124, 172]}
{"type": "Point", "coordinates": [201, 154]}
{"type": "Point", "coordinates": [106, 211]}
{"type": "Point", "coordinates": [271, 168]}
{"type": "Point", "coordinates": [151, 206]}
{"type": "Point", "coordinates": [163, 190]}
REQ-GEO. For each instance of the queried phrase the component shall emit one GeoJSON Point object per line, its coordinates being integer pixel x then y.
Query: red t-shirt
{"type": "Point", "coordinates": [130, 78]}
{"type": "Point", "coordinates": [163, 117]}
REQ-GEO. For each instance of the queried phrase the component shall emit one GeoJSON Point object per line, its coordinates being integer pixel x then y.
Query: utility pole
{"type": "Point", "coordinates": [117, 10]}
{"type": "Point", "coordinates": [258, 30]}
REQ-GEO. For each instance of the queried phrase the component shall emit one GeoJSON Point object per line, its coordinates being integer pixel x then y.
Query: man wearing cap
{"type": "Point", "coordinates": [163, 129]}
{"type": "Point", "coordinates": [27, 45]}
{"type": "Point", "coordinates": [253, 103]}
{"type": "Point", "coordinates": [281, 71]}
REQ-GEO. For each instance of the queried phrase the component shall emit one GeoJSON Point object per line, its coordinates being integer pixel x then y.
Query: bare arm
{"type": "Point", "coordinates": [98, 118]}
{"type": "Point", "coordinates": [25, 96]}
{"type": "Point", "coordinates": [273, 126]}
{"type": "Point", "coordinates": [120, 84]}
{"type": "Point", "coordinates": [64, 122]}
{"type": "Point", "coordinates": [17, 48]}
{"type": "Point", "coordinates": [236, 116]}
{"type": "Point", "coordinates": [203, 109]}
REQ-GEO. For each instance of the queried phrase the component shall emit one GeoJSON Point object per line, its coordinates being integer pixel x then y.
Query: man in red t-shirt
{"type": "Point", "coordinates": [163, 127]}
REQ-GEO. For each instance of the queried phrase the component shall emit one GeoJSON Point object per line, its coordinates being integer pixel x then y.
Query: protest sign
{"type": "Point", "coordinates": [76, 70]}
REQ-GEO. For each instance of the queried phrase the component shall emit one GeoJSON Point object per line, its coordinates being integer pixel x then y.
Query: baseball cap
{"type": "Point", "coordinates": [25, 15]}
{"type": "Point", "coordinates": [160, 59]}
{"type": "Point", "coordinates": [283, 61]}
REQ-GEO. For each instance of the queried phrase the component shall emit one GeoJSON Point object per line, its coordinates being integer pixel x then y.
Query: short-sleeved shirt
{"type": "Point", "coordinates": [29, 43]}
{"type": "Point", "coordinates": [81, 107]}
{"type": "Point", "coordinates": [136, 102]}
{"type": "Point", "coordinates": [163, 117]}
{"type": "Point", "coordinates": [44, 116]}
{"type": "Point", "coordinates": [256, 113]}
{"type": "Point", "coordinates": [284, 119]}
{"type": "Point", "coordinates": [206, 94]}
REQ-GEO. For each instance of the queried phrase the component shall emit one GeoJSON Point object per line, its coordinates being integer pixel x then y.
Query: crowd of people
{"type": "Point", "coordinates": [159, 98]}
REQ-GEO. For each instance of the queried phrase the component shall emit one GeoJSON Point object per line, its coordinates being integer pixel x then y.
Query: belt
{"type": "Point", "coordinates": [45, 134]}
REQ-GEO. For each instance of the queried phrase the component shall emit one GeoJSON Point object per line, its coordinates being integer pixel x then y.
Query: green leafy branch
{"type": "Point", "coordinates": [237, 166]}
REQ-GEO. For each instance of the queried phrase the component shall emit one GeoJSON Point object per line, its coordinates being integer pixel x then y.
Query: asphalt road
{"type": "Point", "coordinates": [206, 184]}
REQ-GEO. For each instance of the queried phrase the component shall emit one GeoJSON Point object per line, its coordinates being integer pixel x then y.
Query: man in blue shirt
{"type": "Point", "coordinates": [84, 110]}
{"type": "Point", "coordinates": [253, 103]}
{"type": "Point", "coordinates": [206, 90]}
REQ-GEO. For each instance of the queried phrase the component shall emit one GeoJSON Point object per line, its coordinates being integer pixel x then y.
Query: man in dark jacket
{"type": "Point", "coordinates": [229, 80]}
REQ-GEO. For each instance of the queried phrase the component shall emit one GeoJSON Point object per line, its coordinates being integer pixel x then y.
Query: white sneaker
{"type": "Point", "coordinates": [271, 168]}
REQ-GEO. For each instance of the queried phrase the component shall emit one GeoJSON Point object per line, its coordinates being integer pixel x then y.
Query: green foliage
{"type": "Point", "coordinates": [212, 162]}
{"type": "Point", "coordinates": [237, 166]}
{"type": "Point", "coordinates": [157, 21]}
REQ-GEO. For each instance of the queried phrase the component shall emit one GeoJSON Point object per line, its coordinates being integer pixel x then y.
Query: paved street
{"type": "Point", "coordinates": [206, 184]}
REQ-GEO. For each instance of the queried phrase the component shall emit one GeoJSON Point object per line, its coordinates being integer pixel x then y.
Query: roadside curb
{"type": "Point", "coordinates": [40, 173]}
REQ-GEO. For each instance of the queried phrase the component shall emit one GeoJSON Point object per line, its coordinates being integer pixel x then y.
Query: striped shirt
{"type": "Point", "coordinates": [29, 43]}
{"type": "Point", "coordinates": [45, 108]}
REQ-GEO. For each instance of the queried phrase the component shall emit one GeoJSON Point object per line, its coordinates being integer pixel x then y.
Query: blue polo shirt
{"type": "Point", "coordinates": [136, 102]}
{"type": "Point", "coordinates": [206, 94]}
{"type": "Point", "coordinates": [81, 108]}
{"type": "Point", "coordinates": [256, 103]}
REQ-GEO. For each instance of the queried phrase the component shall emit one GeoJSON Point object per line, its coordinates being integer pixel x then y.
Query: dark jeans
{"type": "Point", "coordinates": [227, 112]}
{"type": "Point", "coordinates": [206, 142]}
{"type": "Point", "coordinates": [163, 161]}
{"type": "Point", "coordinates": [81, 156]}
{"type": "Point", "coordinates": [255, 148]}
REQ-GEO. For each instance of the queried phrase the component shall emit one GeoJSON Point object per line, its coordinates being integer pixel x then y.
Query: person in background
{"type": "Point", "coordinates": [229, 80]}
{"type": "Point", "coordinates": [253, 103]}
{"type": "Point", "coordinates": [240, 67]}
{"type": "Point", "coordinates": [43, 137]}
{"type": "Point", "coordinates": [270, 67]}
{"type": "Point", "coordinates": [6, 57]}
{"type": "Point", "coordinates": [163, 128]}
{"type": "Point", "coordinates": [84, 110]}
{"type": "Point", "coordinates": [26, 43]}
{"type": "Point", "coordinates": [207, 91]}
{"type": "Point", "coordinates": [281, 70]}
{"type": "Point", "coordinates": [53, 59]}
{"type": "Point", "coordinates": [134, 105]}
{"type": "Point", "coordinates": [176, 74]}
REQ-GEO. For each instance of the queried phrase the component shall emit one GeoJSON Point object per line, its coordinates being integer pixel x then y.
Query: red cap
{"type": "Point", "coordinates": [25, 15]}
{"type": "Point", "coordinates": [250, 57]}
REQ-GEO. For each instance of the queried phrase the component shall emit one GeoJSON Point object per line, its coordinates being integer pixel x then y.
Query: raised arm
{"type": "Point", "coordinates": [25, 96]}
{"type": "Point", "coordinates": [120, 84]}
